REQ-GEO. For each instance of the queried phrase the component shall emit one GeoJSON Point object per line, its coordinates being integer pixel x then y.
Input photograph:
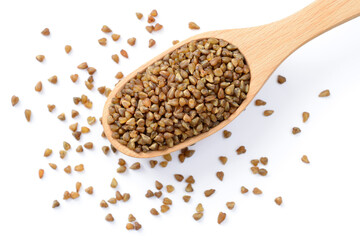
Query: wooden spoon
{"type": "Point", "coordinates": [264, 48]}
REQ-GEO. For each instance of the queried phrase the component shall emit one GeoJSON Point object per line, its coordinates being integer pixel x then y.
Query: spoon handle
{"type": "Point", "coordinates": [315, 19]}
{"type": "Point", "coordinates": [277, 40]}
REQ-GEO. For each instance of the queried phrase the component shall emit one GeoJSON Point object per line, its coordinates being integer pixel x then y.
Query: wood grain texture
{"type": "Point", "coordinates": [264, 48]}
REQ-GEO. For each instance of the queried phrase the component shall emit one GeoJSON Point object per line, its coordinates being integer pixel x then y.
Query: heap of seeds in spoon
{"type": "Point", "coordinates": [186, 93]}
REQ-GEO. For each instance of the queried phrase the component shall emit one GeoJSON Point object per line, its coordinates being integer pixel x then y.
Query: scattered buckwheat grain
{"type": "Point", "coordinates": [114, 183]}
{"type": "Point", "coordinates": [264, 160]}
{"type": "Point", "coordinates": [83, 65]}
{"type": "Point", "coordinates": [220, 175]}
{"type": "Point", "coordinates": [244, 190]}
{"type": "Point", "coordinates": [296, 130]}
{"type": "Point", "coordinates": [260, 102]}
{"type": "Point", "coordinates": [119, 75]}
{"type": "Point", "coordinates": [62, 117]}
{"type": "Point", "coordinates": [158, 27]}
{"type": "Point", "coordinates": [154, 212]}
{"type": "Point", "coordinates": [305, 159]}
{"type": "Point", "coordinates": [53, 79]}
{"type": "Point", "coordinates": [106, 29]}
{"type": "Point", "coordinates": [68, 49]}
{"type": "Point", "coordinates": [153, 163]}
{"type": "Point", "coordinates": [223, 159]}
{"type": "Point", "coordinates": [124, 53]}
{"type": "Point", "coordinates": [268, 113]}
{"type": "Point", "coordinates": [278, 200]}
{"type": "Point", "coordinates": [179, 177]}
{"type": "Point", "coordinates": [47, 152]}
{"type": "Point", "coordinates": [209, 192]}
{"type": "Point", "coordinates": [151, 42]}
{"type": "Point", "coordinates": [241, 150]}
{"type": "Point", "coordinates": [186, 198]}
{"type": "Point", "coordinates": [257, 191]}
{"type": "Point", "coordinates": [14, 100]}
{"type": "Point", "coordinates": [40, 58]}
{"type": "Point", "coordinates": [131, 41]}
{"type": "Point", "coordinates": [150, 28]}
{"type": "Point", "coordinates": [139, 15]}
{"type": "Point", "coordinates": [79, 168]}
{"type": "Point", "coordinates": [41, 173]}
{"type": "Point", "coordinates": [45, 32]}
{"type": "Point", "coordinates": [193, 26]}
{"type": "Point", "coordinates": [305, 116]}
{"type": "Point", "coordinates": [324, 93]}
{"type": "Point", "coordinates": [230, 205]}
{"type": "Point", "coordinates": [281, 79]}
{"type": "Point", "coordinates": [109, 218]}
{"type": "Point", "coordinates": [135, 166]}
{"type": "Point", "coordinates": [115, 57]}
{"type": "Point", "coordinates": [115, 37]}
{"type": "Point", "coordinates": [164, 208]}
{"type": "Point", "coordinates": [221, 217]}
{"type": "Point", "coordinates": [89, 190]}
{"type": "Point", "coordinates": [226, 134]}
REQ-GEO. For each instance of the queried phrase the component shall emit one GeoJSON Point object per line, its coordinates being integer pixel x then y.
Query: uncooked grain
{"type": "Point", "coordinates": [305, 159]}
{"type": "Point", "coordinates": [109, 218]}
{"type": "Point", "coordinates": [257, 191]}
{"type": "Point", "coordinates": [221, 217]}
{"type": "Point", "coordinates": [223, 159]}
{"type": "Point", "coordinates": [68, 49]}
{"type": "Point", "coordinates": [324, 93]}
{"type": "Point", "coordinates": [243, 190]}
{"type": "Point", "coordinates": [131, 41]}
{"type": "Point", "coordinates": [106, 29]}
{"type": "Point", "coordinates": [184, 94]}
{"type": "Point", "coordinates": [278, 200]}
{"type": "Point", "coordinates": [220, 175]}
{"type": "Point", "coordinates": [55, 204]}
{"type": "Point", "coordinates": [124, 53]}
{"type": "Point", "coordinates": [179, 177]}
{"type": "Point", "coordinates": [89, 190]}
{"type": "Point", "coordinates": [230, 205]}
{"type": "Point", "coordinates": [241, 150]}
{"type": "Point", "coordinates": [139, 15]}
{"type": "Point", "coordinates": [281, 79]}
{"type": "Point", "coordinates": [209, 192]}
{"type": "Point", "coordinates": [305, 116]}
{"type": "Point", "coordinates": [259, 102]}
{"type": "Point", "coordinates": [14, 100]}
{"type": "Point", "coordinates": [41, 173]}
{"type": "Point", "coordinates": [151, 42]}
{"type": "Point", "coordinates": [45, 32]}
{"type": "Point", "coordinates": [40, 58]}
{"type": "Point", "coordinates": [186, 198]}
{"type": "Point", "coordinates": [264, 160]}
{"type": "Point", "coordinates": [226, 134]}
{"type": "Point", "coordinates": [268, 113]}
{"type": "Point", "coordinates": [158, 27]}
{"type": "Point", "coordinates": [193, 26]}
{"type": "Point", "coordinates": [79, 168]}
{"type": "Point", "coordinates": [62, 117]}
{"type": "Point", "coordinates": [53, 79]}
{"type": "Point", "coordinates": [115, 37]}
{"type": "Point", "coordinates": [295, 130]}
{"type": "Point", "coordinates": [135, 166]}
{"type": "Point", "coordinates": [115, 58]}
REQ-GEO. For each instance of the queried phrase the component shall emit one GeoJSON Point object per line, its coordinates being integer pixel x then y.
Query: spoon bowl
{"type": "Point", "coordinates": [264, 48]}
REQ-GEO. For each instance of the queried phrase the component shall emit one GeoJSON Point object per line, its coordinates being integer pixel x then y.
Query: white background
{"type": "Point", "coordinates": [321, 199]}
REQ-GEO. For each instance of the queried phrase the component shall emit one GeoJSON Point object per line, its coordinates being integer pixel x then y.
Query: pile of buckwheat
{"type": "Point", "coordinates": [186, 93]}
